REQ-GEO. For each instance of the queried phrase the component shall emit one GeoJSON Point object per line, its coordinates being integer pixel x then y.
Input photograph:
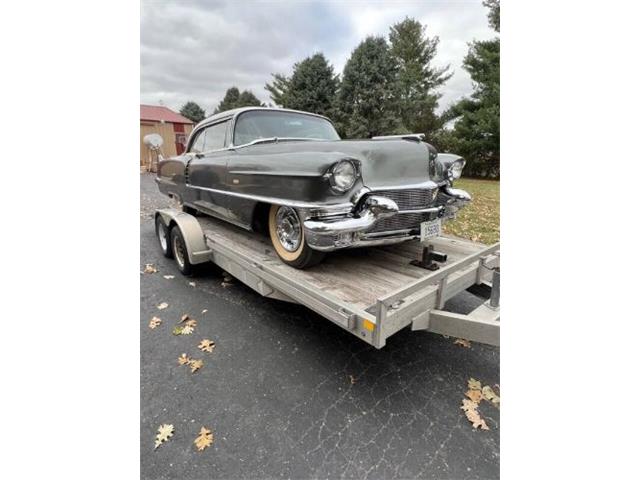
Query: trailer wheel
{"type": "Point", "coordinates": [162, 232]}
{"type": "Point", "coordinates": [287, 236]}
{"type": "Point", "coordinates": [179, 250]}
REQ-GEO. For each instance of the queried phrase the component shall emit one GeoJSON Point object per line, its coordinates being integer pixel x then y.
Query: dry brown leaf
{"type": "Point", "coordinates": [471, 411]}
{"type": "Point", "coordinates": [490, 395]}
{"type": "Point", "coordinates": [184, 318]}
{"type": "Point", "coordinates": [169, 277]}
{"type": "Point", "coordinates": [186, 330]}
{"type": "Point", "coordinates": [352, 379]}
{"type": "Point", "coordinates": [164, 433]}
{"type": "Point", "coordinates": [154, 322]}
{"type": "Point", "coordinates": [183, 359]}
{"type": "Point", "coordinates": [191, 323]}
{"type": "Point", "coordinates": [204, 440]}
{"type": "Point", "coordinates": [474, 395]}
{"type": "Point", "coordinates": [193, 284]}
{"type": "Point", "coordinates": [163, 305]}
{"type": "Point", "coordinates": [149, 268]}
{"type": "Point", "coordinates": [207, 345]}
{"type": "Point", "coordinates": [205, 310]}
{"type": "Point", "coordinates": [474, 384]}
{"type": "Point", "coordinates": [462, 342]}
{"type": "Point", "coordinates": [195, 365]}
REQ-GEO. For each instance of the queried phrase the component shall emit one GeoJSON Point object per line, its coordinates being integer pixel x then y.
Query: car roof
{"type": "Point", "coordinates": [237, 111]}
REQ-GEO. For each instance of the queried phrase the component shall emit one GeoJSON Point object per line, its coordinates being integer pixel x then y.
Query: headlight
{"type": "Point", "coordinates": [343, 175]}
{"type": "Point", "coordinates": [455, 170]}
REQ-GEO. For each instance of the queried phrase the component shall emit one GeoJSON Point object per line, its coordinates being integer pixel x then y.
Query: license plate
{"type": "Point", "coordinates": [430, 229]}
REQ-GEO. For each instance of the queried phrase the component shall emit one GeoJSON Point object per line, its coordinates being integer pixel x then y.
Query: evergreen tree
{"type": "Point", "coordinates": [417, 79]}
{"type": "Point", "coordinates": [234, 99]}
{"type": "Point", "coordinates": [312, 86]}
{"type": "Point", "coordinates": [476, 131]}
{"type": "Point", "coordinates": [193, 112]}
{"type": "Point", "coordinates": [365, 99]}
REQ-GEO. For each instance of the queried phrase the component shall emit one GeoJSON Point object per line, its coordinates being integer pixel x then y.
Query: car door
{"type": "Point", "coordinates": [206, 171]}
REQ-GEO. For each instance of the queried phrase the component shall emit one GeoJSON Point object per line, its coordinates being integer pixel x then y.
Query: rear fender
{"type": "Point", "coordinates": [194, 239]}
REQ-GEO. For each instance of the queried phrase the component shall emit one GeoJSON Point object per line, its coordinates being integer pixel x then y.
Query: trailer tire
{"type": "Point", "coordinates": [162, 232]}
{"type": "Point", "coordinates": [303, 256]}
{"type": "Point", "coordinates": [179, 251]}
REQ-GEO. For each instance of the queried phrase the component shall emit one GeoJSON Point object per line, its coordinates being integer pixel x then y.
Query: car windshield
{"type": "Point", "coordinates": [255, 124]}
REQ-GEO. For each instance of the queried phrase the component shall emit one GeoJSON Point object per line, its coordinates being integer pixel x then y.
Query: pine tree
{"type": "Point", "coordinates": [366, 96]}
{"type": "Point", "coordinates": [312, 86]}
{"type": "Point", "coordinates": [476, 131]}
{"type": "Point", "coordinates": [234, 99]}
{"type": "Point", "coordinates": [193, 112]}
{"type": "Point", "coordinates": [417, 79]}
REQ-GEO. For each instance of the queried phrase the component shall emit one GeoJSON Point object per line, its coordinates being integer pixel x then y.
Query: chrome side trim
{"type": "Point", "coordinates": [276, 201]}
{"type": "Point", "coordinates": [274, 174]}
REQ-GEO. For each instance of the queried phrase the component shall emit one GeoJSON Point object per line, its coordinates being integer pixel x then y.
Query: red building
{"type": "Point", "coordinates": [171, 126]}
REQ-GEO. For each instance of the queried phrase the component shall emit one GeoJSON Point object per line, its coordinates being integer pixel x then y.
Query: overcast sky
{"type": "Point", "coordinates": [196, 49]}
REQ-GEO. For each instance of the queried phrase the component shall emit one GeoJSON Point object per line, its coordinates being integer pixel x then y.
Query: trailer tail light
{"type": "Point", "coordinates": [369, 325]}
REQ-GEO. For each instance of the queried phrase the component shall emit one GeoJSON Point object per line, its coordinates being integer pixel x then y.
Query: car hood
{"type": "Point", "coordinates": [384, 163]}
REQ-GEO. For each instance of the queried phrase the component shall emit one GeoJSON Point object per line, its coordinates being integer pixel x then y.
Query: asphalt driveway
{"type": "Point", "coordinates": [289, 394]}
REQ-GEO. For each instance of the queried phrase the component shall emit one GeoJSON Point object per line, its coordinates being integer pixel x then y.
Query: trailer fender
{"type": "Point", "coordinates": [192, 233]}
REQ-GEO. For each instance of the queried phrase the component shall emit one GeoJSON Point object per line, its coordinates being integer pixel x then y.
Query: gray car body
{"type": "Point", "coordinates": [231, 182]}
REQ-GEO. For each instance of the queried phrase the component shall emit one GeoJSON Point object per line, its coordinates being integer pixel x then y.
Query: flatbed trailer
{"type": "Point", "coordinates": [371, 292]}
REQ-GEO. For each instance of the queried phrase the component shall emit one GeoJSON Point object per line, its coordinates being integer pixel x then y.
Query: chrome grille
{"type": "Point", "coordinates": [410, 198]}
{"type": "Point", "coordinates": [401, 221]}
{"type": "Point", "coordinates": [406, 199]}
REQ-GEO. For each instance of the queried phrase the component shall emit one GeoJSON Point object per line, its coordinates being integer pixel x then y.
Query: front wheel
{"type": "Point", "coordinates": [287, 236]}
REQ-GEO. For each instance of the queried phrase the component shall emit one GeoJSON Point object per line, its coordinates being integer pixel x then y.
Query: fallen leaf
{"type": "Point", "coordinates": [474, 384]}
{"type": "Point", "coordinates": [474, 395]}
{"type": "Point", "coordinates": [204, 440]}
{"type": "Point", "coordinates": [169, 277]}
{"type": "Point", "coordinates": [193, 284]}
{"type": "Point", "coordinates": [163, 305]}
{"type": "Point", "coordinates": [154, 322]}
{"type": "Point", "coordinates": [205, 310]}
{"type": "Point", "coordinates": [149, 268]}
{"type": "Point", "coordinates": [186, 330]}
{"type": "Point", "coordinates": [490, 395]}
{"type": "Point", "coordinates": [177, 330]}
{"type": "Point", "coordinates": [462, 342]}
{"type": "Point", "coordinates": [352, 379]}
{"type": "Point", "coordinates": [207, 345]}
{"type": "Point", "coordinates": [226, 284]}
{"type": "Point", "coordinates": [195, 365]}
{"type": "Point", "coordinates": [471, 411]}
{"type": "Point", "coordinates": [184, 318]}
{"type": "Point", "coordinates": [191, 323]}
{"type": "Point", "coordinates": [183, 359]}
{"type": "Point", "coordinates": [164, 433]}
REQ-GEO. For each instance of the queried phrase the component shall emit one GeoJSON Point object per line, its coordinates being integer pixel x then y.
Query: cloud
{"type": "Point", "coordinates": [196, 49]}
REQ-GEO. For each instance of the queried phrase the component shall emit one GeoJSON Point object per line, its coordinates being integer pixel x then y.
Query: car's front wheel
{"type": "Point", "coordinates": [287, 236]}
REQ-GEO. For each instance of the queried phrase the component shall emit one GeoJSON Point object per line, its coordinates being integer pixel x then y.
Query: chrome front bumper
{"type": "Point", "coordinates": [350, 230]}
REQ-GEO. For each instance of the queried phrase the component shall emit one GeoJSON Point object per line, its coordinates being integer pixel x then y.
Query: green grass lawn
{"type": "Point", "coordinates": [480, 220]}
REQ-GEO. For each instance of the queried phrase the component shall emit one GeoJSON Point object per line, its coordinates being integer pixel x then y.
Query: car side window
{"type": "Point", "coordinates": [198, 145]}
{"type": "Point", "coordinates": [215, 136]}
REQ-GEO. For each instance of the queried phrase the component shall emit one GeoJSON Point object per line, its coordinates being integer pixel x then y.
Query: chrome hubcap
{"type": "Point", "coordinates": [288, 228]}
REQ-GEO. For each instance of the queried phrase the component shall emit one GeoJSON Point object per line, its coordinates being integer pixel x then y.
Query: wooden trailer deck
{"type": "Point", "coordinates": [372, 292]}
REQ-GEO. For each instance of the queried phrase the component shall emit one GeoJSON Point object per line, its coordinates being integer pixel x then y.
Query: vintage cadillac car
{"type": "Point", "coordinates": [287, 173]}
